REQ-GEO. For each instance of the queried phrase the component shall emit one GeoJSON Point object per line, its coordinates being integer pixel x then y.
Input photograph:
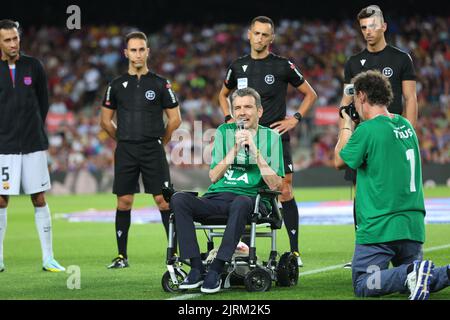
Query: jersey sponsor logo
{"type": "Point", "coordinates": [402, 133]}
{"type": "Point", "coordinates": [363, 62]}
{"type": "Point", "coordinates": [242, 83]}
{"type": "Point", "coordinates": [229, 176]}
{"type": "Point", "coordinates": [244, 67]}
{"type": "Point", "coordinates": [269, 79]}
{"type": "Point", "coordinates": [125, 84]}
{"type": "Point", "coordinates": [6, 185]}
{"type": "Point", "coordinates": [388, 72]}
{"type": "Point", "coordinates": [27, 81]}
{"type": "Point", "coordinates": [150, 95]}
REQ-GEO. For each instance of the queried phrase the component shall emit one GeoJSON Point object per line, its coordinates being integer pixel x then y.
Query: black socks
{"type": "Point", "coordinates": [123, 221]}
{"type": "Point", "coordinates": [291, 220]}
{"type": "Point", "coordinates": [217, 265]}
{"type": "Point", "coordinates": [196, 263]}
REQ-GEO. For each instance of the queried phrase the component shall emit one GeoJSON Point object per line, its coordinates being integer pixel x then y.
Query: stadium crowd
{"type": "Point", "coordinates": [80, 63]}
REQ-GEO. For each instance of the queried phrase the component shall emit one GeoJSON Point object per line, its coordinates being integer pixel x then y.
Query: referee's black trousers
{"type": "Point", "coordinates": [189, 208]}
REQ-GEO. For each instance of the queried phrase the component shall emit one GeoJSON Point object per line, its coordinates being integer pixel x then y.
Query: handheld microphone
{"type": "Point", "coordinates": [240, 125]}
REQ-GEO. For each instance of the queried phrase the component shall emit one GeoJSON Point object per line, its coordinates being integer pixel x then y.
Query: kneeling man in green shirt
{"type": "Point", "coordinates": [390, 210]}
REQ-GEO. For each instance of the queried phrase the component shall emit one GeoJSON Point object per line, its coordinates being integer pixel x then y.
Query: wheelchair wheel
{"type": "Point", "coordinates": [167, 283]}
{"type": "Point", "coordinates": [258, 280]}
{"type": "Point", "coordinates": [287, 270]}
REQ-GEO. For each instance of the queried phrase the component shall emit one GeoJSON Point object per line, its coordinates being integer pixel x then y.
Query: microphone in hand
{"type": "Point", "coordinates": [240, 126]}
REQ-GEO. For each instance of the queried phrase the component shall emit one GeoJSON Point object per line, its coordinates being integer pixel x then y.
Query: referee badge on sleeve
{"type": "Point", "coordinates": [108, 96]}
{"type": "Point", "coordinates": [242, 83]}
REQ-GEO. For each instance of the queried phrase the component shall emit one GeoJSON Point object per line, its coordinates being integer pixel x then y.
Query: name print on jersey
{"type": "Point", "coordinates": [403, 134]}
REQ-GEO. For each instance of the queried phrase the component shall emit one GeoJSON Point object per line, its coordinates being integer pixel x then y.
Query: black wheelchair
{"type": "Point", "coordinates": [247, 270]}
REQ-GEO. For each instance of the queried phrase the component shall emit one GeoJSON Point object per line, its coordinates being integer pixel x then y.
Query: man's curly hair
{"type": "Point", "coordinates": [376, 86]}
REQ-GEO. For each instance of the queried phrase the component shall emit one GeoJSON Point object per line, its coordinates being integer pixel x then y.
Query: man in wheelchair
{"type": "Point", "coordinates": [246, 158]}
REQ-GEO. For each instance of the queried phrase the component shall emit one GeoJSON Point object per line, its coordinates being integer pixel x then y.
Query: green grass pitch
{"type": "Point", "coordinates": [91, 246]}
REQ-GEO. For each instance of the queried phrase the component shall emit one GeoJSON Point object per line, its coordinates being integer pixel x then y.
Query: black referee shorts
{"type": "Point", "coordinates": [134, 158]}
{"type": "Point", "coordinates": [287, 156]}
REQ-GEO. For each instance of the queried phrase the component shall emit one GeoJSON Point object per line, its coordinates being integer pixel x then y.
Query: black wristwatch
{"type": "Point", "coordinates": [298, 116]}
{"type": "Point", "coordinates": [228, 117]}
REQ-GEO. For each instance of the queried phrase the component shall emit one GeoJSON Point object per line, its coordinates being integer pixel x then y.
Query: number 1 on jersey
{"type": "Point", "coordinates": [412, 162]}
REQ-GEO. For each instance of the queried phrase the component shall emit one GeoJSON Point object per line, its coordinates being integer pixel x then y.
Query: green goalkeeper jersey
{"type": "Point", "coordinates": [243, 177]}
{"type": "Point", "coordinates": [389, 196]}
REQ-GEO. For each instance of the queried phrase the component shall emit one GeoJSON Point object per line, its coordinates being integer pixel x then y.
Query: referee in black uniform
{"type": "Point", "coordinates": [140, 98]}
{"type": "Point", "coordinates": [393, 63]}
{"type": "Point", "coordinates": [270, 75]}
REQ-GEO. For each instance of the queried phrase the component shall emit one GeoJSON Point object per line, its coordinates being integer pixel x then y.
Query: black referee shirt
{"type": "Point", "coordinates": [270, 77]}
{"type": "Point", "coordinates": [139, 104]}
{"type": "Point", "coordinates": [391, 62]}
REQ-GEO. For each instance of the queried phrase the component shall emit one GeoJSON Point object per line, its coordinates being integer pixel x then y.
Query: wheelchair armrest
{"type": "Point", "coordinates": [169, 191]}
{"type": "Point", "coordinates": [274, 215]}
{"type": "Point", "coordinates": [194, 193]}
{"type": "Point", "coordinates": [268, 192]}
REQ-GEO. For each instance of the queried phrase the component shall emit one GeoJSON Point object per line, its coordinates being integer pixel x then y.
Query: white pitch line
{"type": "Point", "coordinates": [337, 266]}
{"type": "Point", "coordinates": [186, 296]}
{"type": "Point", "coordinates": [445, 246]}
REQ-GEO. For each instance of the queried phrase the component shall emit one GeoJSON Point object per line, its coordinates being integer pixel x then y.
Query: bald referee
{"type": "Point", "coordinates": [140, 98]}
